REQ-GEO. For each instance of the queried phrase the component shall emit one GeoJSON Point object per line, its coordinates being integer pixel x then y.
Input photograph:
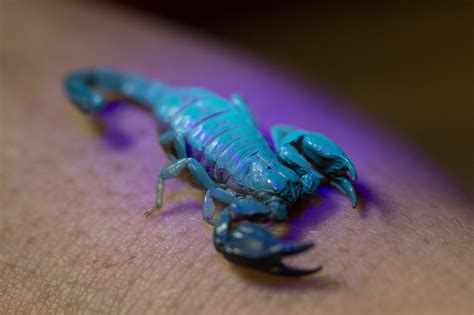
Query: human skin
{"type": "Point", "coordinates": [73, 236]}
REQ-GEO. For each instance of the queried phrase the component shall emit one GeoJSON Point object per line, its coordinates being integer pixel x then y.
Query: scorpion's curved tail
{"type": "Point", "coordinates": [86, 88]}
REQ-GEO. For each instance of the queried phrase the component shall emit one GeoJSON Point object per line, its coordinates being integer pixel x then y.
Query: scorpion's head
{"type": "Point", "coordinates": [274, 185]}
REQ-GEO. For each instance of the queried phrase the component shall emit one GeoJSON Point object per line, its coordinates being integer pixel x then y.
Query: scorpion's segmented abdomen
{"type": "Point", "coordinates": [217, 131]}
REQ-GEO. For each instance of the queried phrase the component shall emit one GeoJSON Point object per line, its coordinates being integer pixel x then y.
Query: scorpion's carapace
{"type": "Point", "coordinates": [217, 141]}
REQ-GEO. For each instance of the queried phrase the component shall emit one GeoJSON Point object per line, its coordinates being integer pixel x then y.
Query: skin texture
{"type": "Point", "coordinates": [73, 237]}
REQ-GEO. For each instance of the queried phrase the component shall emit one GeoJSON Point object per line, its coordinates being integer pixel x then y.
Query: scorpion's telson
{"type": "Point", "coordinates": [217, 141]}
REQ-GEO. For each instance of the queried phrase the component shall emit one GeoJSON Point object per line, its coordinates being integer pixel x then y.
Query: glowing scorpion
{"type": "Point", "coordinates": [218, 142]}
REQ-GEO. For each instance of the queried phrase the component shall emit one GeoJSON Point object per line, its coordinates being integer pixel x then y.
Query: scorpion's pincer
{"type": "Point", "coordinates": [252, 246]}
{"type": "Point", "coordinates": [331, 161]}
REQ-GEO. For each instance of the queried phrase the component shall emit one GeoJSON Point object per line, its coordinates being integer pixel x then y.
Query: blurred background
{"type": "Point", "coordinates": [408, 64]}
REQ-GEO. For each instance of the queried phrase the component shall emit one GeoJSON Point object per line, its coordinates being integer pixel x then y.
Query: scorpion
{"type": "Point", "coordinates": [217, 141]}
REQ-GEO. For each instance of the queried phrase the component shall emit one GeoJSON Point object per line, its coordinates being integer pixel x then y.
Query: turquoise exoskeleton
{"type": "Point", "coordinates": [217, 141]}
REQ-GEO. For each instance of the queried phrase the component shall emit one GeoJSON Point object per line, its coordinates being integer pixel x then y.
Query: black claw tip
{"type": "Point", "coordinates": [283, 270]}
{"type": "Point", "coordinates": [291, 249]}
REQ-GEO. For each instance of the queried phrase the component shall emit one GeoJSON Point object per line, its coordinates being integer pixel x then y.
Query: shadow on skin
{"type": "Point", "coordinates": [370, 201]}
{"type": "Point", "coordinates": [181, 201]}
{"type": "Point", "coordinates": [366, 197]}
{"type": "Point", "coordinates": [111, 126]}
{"type": "Point", "coordinates": [307, 214]}
{"type": "Point", "coordinates": [174, 208]}
{"type": "Point", "coordinates": [311, 212]}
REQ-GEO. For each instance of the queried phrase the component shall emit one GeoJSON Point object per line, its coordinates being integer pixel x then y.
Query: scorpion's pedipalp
{"type": "Point", "coordinates": [278, 133]}
{"type": "Point", "coordinates": [333, 164]}
{"type": "Point", "coordinates": [252, 246]}
{"type": "Point", "coordinates": [316, 159]}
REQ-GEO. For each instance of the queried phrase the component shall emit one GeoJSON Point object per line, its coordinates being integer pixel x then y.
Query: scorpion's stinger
{"type": "Point", "coordinates": [85, 87]}
{"type": "Point", "coordinates": [80, 93]}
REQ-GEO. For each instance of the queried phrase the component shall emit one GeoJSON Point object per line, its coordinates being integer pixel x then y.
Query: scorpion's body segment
{"type": "Point", "coordinates": [218, 142]}
{"type": "Point", "coordinates": [217, 133]}
{"type": "Point", "coordinates": [221, 136]}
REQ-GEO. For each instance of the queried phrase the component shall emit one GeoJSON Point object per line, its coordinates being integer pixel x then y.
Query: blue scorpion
{"type": "Point", "coordinates": [218, 142]}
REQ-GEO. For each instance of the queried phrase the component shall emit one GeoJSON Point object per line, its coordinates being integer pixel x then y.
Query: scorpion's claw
{"type": "Point", "coordinates": [329, 159]}
{"type": "Point", "coordinates": [252, 246]}
{"type": "Point", "coordinates": [316, 159]}
{"type": "Point", "coordinates": [344, 185]}
{"type": "Point", "coordinates": [282, 270]}
{"type": "Point", "coordinates": [348, 167]}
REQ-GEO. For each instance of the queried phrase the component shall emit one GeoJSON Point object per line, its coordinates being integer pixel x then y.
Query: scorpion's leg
{"type": "Point", "coordinates": [310, 178]}
{"type": "Point", "coordinates": [173, 140]}
{"type": "Point", "coordinates": [174, 170]}
{"type": "Point", "coordinates": [208, 206]}
{"type": "Point", "coordinates": [327, 161]}
{"type": "Point", "coordinates": [252, 246]}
